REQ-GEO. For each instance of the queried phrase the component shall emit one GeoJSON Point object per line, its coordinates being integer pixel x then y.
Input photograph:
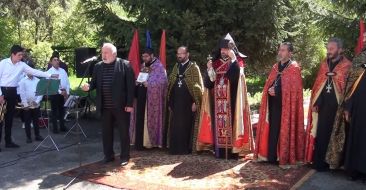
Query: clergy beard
{"type": "Point", "coordinates": [150, 63]}
{"type": "Point", "coordinates": [334, 58]}
{"type": "Point", "coordinates": [181, 61]}
{"type": "Point", "coordinates": [224, 57]}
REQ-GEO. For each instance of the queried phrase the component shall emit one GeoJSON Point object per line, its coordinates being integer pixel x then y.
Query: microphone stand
{"type": "Point", "coordinates": [89, 100]}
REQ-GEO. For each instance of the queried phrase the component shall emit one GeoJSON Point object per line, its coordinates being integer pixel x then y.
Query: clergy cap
{"type": "Point", "coordinates": [231, 44]}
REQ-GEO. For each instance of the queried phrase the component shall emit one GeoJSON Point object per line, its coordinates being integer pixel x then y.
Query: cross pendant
{"type": "Point", "coordinates": [329, 88]}
{"type": "Point", "coordinates": [179, 83]}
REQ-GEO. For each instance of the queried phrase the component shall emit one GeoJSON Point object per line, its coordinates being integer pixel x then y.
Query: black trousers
{"type": "Point", "coordinates": [122, 120]}
{"type": "Point", "coordinates": [58, 111]}
{"type": "Point", "coordinates": [21, 114]}
{"type": "Point", "coordinates": [10, 95]}
{"type": "Point", "coordinates": [31, 115]}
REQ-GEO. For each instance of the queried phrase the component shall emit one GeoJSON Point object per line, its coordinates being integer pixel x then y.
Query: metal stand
{"type": "Point", "coordinates": [88, 97]}
{"type": "Point", "coordinates": [77, 125]}
{"type": "Point", "coordinates": [48, 127]}
{"type": "Point", "coordinates": [79, 132]}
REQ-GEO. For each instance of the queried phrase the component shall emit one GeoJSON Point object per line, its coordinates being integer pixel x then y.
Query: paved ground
{"type": "Point", "coordinates": [24, 169]}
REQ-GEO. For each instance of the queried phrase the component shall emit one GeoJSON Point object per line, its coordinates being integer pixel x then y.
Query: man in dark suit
{"type": "Point", "coordinates": [114, 81]}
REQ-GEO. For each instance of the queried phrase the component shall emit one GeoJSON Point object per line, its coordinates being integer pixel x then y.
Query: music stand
{"type": "Point", "coordinates": [46, 87]}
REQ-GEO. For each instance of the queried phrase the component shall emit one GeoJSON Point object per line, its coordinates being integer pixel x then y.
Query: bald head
{"type": "Point", "coordinates": [109, 53]}
{"type": "Point", "coordinates": [182, 54]}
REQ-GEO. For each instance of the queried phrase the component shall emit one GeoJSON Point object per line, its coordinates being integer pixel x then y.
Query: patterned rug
{"type": "Point", "coordinates": [158, 170]}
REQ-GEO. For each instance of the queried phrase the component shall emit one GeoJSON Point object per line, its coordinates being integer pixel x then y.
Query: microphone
{"type": "Point", "coordinates": [94, 58]}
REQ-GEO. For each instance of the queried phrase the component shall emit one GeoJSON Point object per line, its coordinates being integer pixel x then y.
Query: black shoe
{"type": "Point", "coordinates": [39, 138]}
{"type": "Point", "coordinates": [55, 131]}
{"type": "Point", "coordinates": [29, 140]}
{"type": "Point", "coordinates": [11, 145]}
{"type": "Point", "coordinates": [107, 160]}
{"type": "Point", "coordinates": [124, 163]}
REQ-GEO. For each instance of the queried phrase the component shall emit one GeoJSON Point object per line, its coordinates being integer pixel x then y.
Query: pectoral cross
{"type": "Point", "coordinates": [329, 88]}
{"type": "Point", "coordinates": [179, 83]}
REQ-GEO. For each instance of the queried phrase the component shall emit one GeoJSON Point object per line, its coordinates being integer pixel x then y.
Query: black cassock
{"type": "Point", "coordinates": [140, 116]}
{"type": "Point", "coordinates": [182, 118]}
{"type": "Point", "coordinates": [328, 105]}
{"type": "Point", "coordinates": [275, 112]}
{"type": "Point", "coordinates": [356, 140]}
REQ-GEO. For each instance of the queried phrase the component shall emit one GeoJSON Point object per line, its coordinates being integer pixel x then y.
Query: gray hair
{"type": "Point", "coordinates": [111, 47]}
{"type": "Point", "coordinates": [338, 41]}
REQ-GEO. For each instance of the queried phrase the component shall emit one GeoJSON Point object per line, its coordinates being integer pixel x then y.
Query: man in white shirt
{"type": "Point", "coordinates": [31, 103]}
{"type": "Point", "coordinates": [10, 70]}
{"type": "Point", "coordinates": [58, 100]}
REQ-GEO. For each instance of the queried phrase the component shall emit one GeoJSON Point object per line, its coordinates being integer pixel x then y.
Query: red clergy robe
{"type": "Point", "coordinates": [291, 138]}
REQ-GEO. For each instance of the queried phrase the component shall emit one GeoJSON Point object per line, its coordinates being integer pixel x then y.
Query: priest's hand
{"type": "Point", "coordinates": [271, 91]}
{"type": "Point", "coordinates": [315, 109]}
{"type": "Point", "coordinates": [346, 115]}
{"type": "Point", "coordinates": [145, 83]}
{"type": "Point", "coordinates": [129, 109]}
{"type": "Point", "coordinates": [194, 107]}
{"type": "Point", "coordinates": [2, 100]}
{"type": "Point", "coordinates": [209, 64]}
{"type": "Point", "coordinates": [85, 87]}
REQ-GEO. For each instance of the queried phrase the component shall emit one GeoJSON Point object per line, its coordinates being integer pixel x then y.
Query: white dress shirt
{"type": "Point", "coordinates": [62, 75]}
{"type": "Point", "coordinates": [10, 73]}
{"type": "Point", "coordinates": [27, 91]}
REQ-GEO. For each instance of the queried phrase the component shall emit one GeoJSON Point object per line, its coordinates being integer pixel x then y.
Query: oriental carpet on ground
{"type": "Point", "coordinates": [156, 169]}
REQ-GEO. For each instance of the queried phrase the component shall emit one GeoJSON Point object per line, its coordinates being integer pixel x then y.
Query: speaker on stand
{"type": "Point", "coordinates": [84, 69]}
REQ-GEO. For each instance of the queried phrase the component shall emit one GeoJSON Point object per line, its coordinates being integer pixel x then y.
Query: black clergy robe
{"type": "Point", "coordinates": [180, 103]}
{"type": "Point", "coordinates": [140, 116]}
{"type": "Point", "coordinates": [140, 94]}
{"type": "Point", "coordinates": [327, 108]}
{"type": "Point", "coordinates": [355, 155]}
{"type": "Point", "coordinates": [275, 110]}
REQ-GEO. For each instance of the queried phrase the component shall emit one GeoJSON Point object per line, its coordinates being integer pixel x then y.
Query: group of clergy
{"type": "Point", "coordinates": [210, 111]}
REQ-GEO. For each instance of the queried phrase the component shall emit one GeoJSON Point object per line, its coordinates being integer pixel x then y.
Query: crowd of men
{"type": "Point", "coordinates": [209, 111]}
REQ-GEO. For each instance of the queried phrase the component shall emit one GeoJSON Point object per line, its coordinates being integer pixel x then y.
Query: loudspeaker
{"type": "Point", "coordinates": [81, 54]}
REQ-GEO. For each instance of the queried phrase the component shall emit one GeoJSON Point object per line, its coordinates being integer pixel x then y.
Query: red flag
{"type": "Point", "coordinates": [134, 54]}
{"type": "Point", "coordinates": [359, 45]}
{"type": "Point", "coordinates": [162, 55]}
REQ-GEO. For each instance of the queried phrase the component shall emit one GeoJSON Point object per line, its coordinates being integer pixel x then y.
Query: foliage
{"type": "Point", "coordinates": [258, 27]}
{"type": "Point", "coordinates": [40, 25]}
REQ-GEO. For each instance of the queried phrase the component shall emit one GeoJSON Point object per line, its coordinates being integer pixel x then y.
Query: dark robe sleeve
{"type": "Point", "coordinates": [130, 85]}
{"type": "Point", "coordinates": [233, 72]}
{"type": "Point", "coordinates": [206, 81]}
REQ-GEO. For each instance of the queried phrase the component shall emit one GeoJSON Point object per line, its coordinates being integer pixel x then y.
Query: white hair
{"type": "Point", "coordinates": [111, 47]}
